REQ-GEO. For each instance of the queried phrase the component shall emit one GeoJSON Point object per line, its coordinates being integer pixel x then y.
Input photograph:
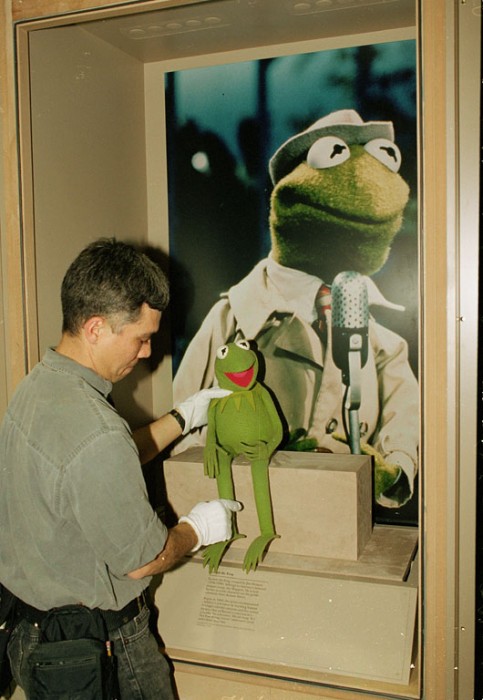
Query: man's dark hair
{"type": "Point", "coordinates": [112, 279]}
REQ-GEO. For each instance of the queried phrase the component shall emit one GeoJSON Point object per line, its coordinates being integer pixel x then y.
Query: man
{"type": "Point", "coordinates": [76, 526]}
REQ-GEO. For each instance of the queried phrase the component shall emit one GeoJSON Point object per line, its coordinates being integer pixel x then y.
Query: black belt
{"type": "Point", "coordinates": [113, 618]}
{"type": "Point", "coordinates": [117, 618]}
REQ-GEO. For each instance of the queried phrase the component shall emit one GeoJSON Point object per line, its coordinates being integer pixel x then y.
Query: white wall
{"type": "Point", "coordinates": [89, 172]}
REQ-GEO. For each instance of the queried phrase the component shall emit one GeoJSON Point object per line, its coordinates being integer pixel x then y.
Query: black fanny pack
{"type": "Point", "coordinates": [73, 659]}
{"type": "Point", "coordinates": [7, 621]}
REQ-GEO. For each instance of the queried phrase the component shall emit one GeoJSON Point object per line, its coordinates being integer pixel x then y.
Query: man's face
{"type": "Point", "coordinates": [118, 353]}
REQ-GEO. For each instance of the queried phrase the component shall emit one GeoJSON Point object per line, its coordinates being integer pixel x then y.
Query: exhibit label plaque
{"type": "Point", "coordinates": [291, 623]}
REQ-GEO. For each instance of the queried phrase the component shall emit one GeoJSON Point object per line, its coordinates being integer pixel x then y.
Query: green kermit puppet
{"type": "Point", "coordinates": [245, 422]}
{"type": "Point", "coordinates": [337, 204]}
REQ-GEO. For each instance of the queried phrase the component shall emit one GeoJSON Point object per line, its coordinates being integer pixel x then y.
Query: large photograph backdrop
{"type": "Point", "coordinates": [224, 122]}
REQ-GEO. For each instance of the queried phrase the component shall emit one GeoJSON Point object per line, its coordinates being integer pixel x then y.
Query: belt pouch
{"type": "Point", "coordinates": [74, 669]}
{"type": "Point", "coordinates": [5, 674]}
{"type": "Point", "coordinates": [72, 661]}
{"type": "Point", "coordinates": [7, 613]}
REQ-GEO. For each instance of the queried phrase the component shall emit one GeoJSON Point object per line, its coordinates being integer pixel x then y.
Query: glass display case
{"type": "Point", "coordinates": [155, 122]}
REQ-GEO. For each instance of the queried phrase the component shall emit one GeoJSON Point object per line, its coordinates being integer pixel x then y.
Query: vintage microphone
{"type": "Point", "coordinates": [350, 343]}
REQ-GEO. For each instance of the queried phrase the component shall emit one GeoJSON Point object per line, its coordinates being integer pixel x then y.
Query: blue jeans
{"type": "Point", "coordinates": [143, 672]}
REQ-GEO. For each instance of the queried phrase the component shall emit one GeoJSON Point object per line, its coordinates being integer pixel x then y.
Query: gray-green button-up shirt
{"type": "Point", "coordinates": [74, 511]}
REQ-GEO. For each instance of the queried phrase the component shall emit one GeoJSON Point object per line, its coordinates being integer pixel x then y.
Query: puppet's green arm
{"type": "Point", "coordinates": [277, 430]}
{"type": "Point", "coordinates": [211, 462]}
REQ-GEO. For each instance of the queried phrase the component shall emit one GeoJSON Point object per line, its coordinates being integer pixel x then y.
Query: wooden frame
{"type": "Point", "coordinates": [449, 339]}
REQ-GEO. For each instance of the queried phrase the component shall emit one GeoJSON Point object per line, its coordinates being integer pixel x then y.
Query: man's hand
{"type": "Point", "coordinates": [195, 408]}
{"type": "Point", "coordinates": [212, 521]}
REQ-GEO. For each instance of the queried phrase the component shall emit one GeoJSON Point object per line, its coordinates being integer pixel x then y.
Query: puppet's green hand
{"type": "Point", "coordinates": [258, 450]}
{"type": "Point", "coordinates": [386, 474]}
{"type": "Point", "coordinates": [299, 442]}
{"type": "Point", "coordinates": [211, 461]}
{"type": "Point", "coordinates": [385, 477]}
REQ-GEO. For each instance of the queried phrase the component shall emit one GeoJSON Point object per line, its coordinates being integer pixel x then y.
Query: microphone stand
{"type": "Point", "coordinates": [352, 399]}
{"type": "Point", "coordinates": [350, 331]}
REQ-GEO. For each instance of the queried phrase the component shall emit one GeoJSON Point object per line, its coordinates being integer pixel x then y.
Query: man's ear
{"type": "Point", "coordinates": [93, 328]}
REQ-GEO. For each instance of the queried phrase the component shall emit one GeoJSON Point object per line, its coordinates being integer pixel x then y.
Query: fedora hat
{"type": "Point", "coordinates": [345, 123]}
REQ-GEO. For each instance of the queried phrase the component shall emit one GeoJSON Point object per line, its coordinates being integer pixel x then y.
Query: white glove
{"type": "Point", "coordinates": [212, 521]}
{"type": "Point", "coordinates": [195, 409]}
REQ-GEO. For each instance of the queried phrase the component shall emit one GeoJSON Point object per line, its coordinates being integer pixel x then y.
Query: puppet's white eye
{"type": "Point", "coordinates": [222, 352]}
{"type": "Point", "coordinates": [243, 344]}
{"type": "Point", "coordinates": [385, 151]}
{"type": "Point", "coordinates": [328, 152]}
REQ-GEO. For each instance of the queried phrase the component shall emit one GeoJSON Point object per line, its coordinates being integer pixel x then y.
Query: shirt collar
{"type": "Point", "coordinates": [61, 363]}
{"type": "Point", "coordinates": [271, 287]}
{"type": "Point", "coordinates": [297, 288]}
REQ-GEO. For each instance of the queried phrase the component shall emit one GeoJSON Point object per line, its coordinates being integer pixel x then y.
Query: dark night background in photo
{"type": "Point", "coordinates": [223, 124]}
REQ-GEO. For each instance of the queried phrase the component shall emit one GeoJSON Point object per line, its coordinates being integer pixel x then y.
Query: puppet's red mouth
{"type": "Point", "coordinates": [241, 378]}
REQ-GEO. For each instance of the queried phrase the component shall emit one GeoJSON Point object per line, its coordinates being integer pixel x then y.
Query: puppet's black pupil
{"type": "Point", "coordinates": [337, 150]}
